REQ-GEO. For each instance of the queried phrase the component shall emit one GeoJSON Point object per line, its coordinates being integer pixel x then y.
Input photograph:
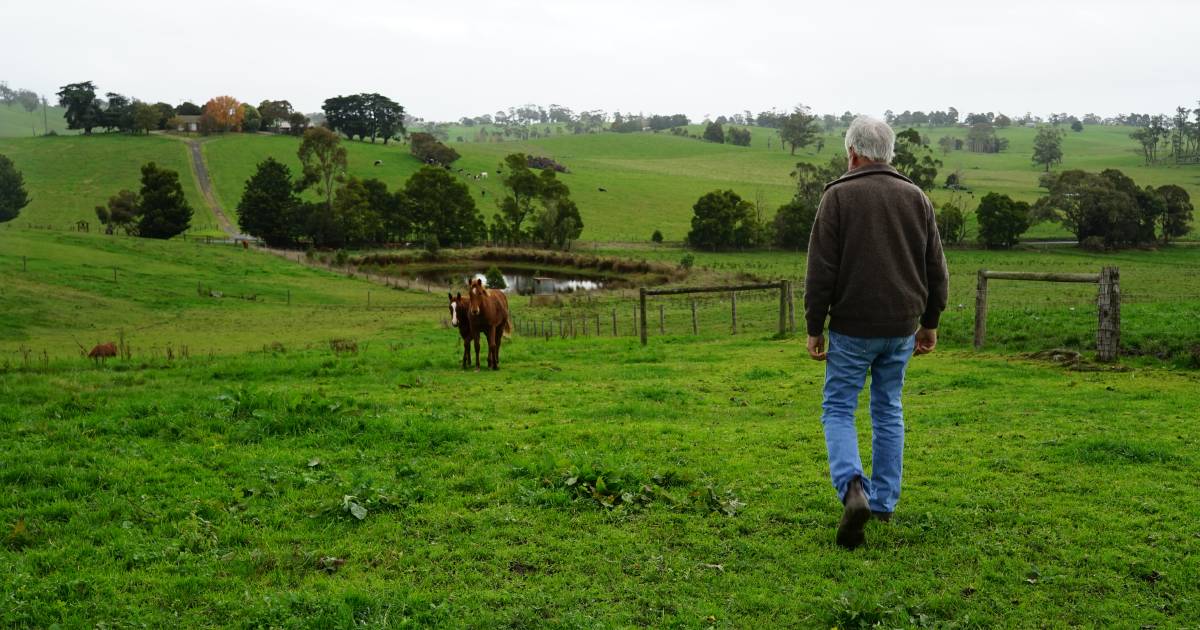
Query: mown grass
{"type": "Point", "coordinates": [223, 491]}
{"type": "Point", "coordinates": [68, 176]}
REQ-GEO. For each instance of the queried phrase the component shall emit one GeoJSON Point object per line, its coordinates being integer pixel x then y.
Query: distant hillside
{"type": "Point", "coordinates": [15, 122]}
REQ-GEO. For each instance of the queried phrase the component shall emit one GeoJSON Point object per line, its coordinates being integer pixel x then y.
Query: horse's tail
{"type": "Point", "coordinates": [508, 327]}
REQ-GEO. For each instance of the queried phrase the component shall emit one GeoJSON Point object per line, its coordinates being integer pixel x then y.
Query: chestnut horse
{"type": "Point", "coordinates": [489, 315]}
{"type": "Point", "coordinates": [461, 319]}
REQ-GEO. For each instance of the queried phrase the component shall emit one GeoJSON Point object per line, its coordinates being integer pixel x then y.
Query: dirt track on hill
{"type": "Point", "coordinates": [200, 170]}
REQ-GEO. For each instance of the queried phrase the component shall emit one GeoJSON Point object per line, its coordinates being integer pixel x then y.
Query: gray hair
{"type": "Point", "coordinates": [871, 138]}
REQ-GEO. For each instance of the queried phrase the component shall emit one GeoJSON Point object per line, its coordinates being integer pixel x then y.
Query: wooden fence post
{"type": "Point", "coordinates": [642, 313]}
{"type": "Point", "coordinates": [695, 329]}
{"type": "Point", "coordinates": [733, 307]}
{"type": "Point", "coordinates": [791, 307]}
{"type": "Point", "coordinates": [783, 291]}
{"type": "Point", "coordinates": [597, 324]}
{"type": "Point", "coordinates": [614, 318]}
{"type": "Point", "coordinates": [662, 320]}
{"type": "Point", "coordinates": [1108, 308]}
{"type": "Point", "coordinates": [981, 288]}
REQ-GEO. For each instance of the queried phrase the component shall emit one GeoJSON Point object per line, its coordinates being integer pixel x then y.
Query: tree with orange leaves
{"type": "Point", "coordinates": [223, 113]}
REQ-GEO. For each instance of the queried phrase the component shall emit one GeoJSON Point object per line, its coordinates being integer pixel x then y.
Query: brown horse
{"type": "Point", "coordinates": [461, 319]}
{"type": "Point", "coordinates": [489, 315]}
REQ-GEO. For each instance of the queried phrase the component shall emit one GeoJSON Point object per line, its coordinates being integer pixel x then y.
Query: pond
{"type": "Point", "coordinates": [519, 281]}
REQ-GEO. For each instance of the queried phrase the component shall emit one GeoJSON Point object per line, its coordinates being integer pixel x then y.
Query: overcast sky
{"type": "Point", "coordinates": [444, 59]}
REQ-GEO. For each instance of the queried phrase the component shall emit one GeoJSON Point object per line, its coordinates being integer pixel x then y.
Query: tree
{"type": "Point", "coordinates": [915, 160]}
{"type": "Point", "coordinates": [1002, 221]}
{"type": "Point", "coordinates": [118, 113]}
{"type": "Point", "coordinates": [714, 133]}
{"type": "Point", "coordinates": [430, 150]}
{"type": "Point", "coordinates": [793, 224]}
{"type": "Point", "coordinates": [522, 185]}
{"type": "Point", "coordinates": [741, 137]}
{"type": "Point", "coordinates": [946, 144]}
{"type": "Point", "coordinates": [324, 162]}
{"type": "Point", "coordinates": [12, 190]}
{"type": "Point", "coordinates": [794, 220]}
{"type": "Point", "coordinates": [354, 219]}
{"type": "Point", "coordinates": [981, 138]}
{"type": "Point", "coordinates": [299, 123]}
{"type": "Point", "coordinates": [83, 110]}
{"type": "Point", "coordinates": [269, 205]}
{"type": "Point", "coordinates": [274, 112]}
{"type": "Point", "coordinates": [120, 213]}
{"type": "Point", "coordinates": [722, 219]}
{"type": "Point", "coordinates": [364, 115]}
{"type": "Point", "coordinates": [495, 278]}
{"type": "Point", "coordinates": [1002, 121]}
{"type": "Point", "coordinates": [1047, 146]}
{"type": "Point", "coordinates": [188, 108]}
{"type": "Point", "coordinates": [1107, 206]}
{"type": "Point", "coordinates": [145, 117]}
{"type": "Point", "coordinates": [163, 211]}
{"type": "Point", "coordinates": [1076, 126]}
{"type": "Point", "coordinates": [221, 114]}
{"type": "Point", "coordinates": [1176, 217]}
{"type": "Point", "coordinates": [657, 237]}
{"type": "Point", "coordinates": [799, 128]}
{"type": "Point", "coordinates": [951, 223]}
{"type": "Point", "coordinates": [558, 222]}
{"type": "Point", "coordinates": [442, 207]}
{"type": "Point", "coordinates": [251, 118]}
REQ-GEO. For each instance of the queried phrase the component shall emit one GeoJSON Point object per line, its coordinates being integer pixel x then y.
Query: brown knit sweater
{"type": "Point", "coordinates": [875, 261]}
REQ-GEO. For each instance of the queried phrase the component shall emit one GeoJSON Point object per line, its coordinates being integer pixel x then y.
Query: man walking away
{"type": "Point", "coordinates": [876, 270]}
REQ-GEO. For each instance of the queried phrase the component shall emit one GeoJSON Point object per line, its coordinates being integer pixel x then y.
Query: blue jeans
{"type": "Point", "coordinates": [846, 368]}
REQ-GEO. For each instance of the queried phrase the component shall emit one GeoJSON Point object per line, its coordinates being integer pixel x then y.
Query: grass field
{"type": "Point", "coordinates": [224, 485]}
{"type": "Point", "coordinates": [15, 122]}
{"type": "Point", "coordinates": [68, 176]}
{"type": "Point", "coordinates": [652, 180]}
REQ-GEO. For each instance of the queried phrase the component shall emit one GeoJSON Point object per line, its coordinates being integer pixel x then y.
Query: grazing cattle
{"type": "Point", "coordinates": [378, 162]}
{"type": "Point", "coordinates": [603, 189]}
{"type": "Point", "coordinates": [483, 175]}
{"type": "Point", "coordinates": [483, 193]}
{"type": "Point", "coordinates": [245, 244]}
{"type": "Point", "coordinates": [459, 170]}
{"type": "Point", "coordinates": [461, 319]}
{"type": "Point", "coordinates": [489, 315]}
{"type": "Point", "coordinates": [103, 351]}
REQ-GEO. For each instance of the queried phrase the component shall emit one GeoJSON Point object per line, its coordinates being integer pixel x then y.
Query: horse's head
{"type": "Point", "coordinates": [476, 295]}
{"type": "Point", "coordinates": [456, 305]}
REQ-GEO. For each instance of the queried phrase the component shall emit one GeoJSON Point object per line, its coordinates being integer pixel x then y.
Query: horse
{"type": "Point", "coordinates": [461, 319]}
{"type": "Point", "coordinates": [489, 315]}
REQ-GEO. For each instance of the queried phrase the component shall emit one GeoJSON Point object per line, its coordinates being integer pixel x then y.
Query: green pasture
{"type": "Point", "coordinates": [15, 122]}
{"type": "Point", "coordinates": [68, 176]}
{"type": "Point", "coordinates": [650, 180]}
{"type": "Point", "coordinates": [214, 491]}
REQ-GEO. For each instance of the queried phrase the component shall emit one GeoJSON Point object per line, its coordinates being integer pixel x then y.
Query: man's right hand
{"type": "Point", "coordinates": [926, 341]}
{"type": "Point", "coordinates": [816, 347]}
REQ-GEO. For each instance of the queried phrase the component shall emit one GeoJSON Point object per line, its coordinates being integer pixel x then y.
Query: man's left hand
{"type": "Point", "coordinates": [816, 347]}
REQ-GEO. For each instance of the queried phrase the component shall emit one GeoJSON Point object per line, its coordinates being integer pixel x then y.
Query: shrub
{"type": "Point", "coordinates": [1002, 221]}
{"type": "Point", "coordinates": [495, 279]}
{"type": "Point", "coordinates": [687, 261]}
{"type": "Point", "coordinates": [951, 224]}
{"type": "Point", "coordinates": [657, 237]}
{"type": "Point", "coordinates": [793, 224]}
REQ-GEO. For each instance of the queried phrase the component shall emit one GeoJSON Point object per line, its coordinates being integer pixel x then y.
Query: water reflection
{"type": "Point", "coordinates": [519, 283]}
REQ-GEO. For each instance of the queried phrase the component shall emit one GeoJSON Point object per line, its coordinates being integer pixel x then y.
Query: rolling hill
{"type": "Point", "coordinates": [15, 122]}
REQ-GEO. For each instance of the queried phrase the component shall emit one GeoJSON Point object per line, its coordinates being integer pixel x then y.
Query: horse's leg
{"type": "Point", "coordinates": [492, 347]}
{"type": "Point", "coordinates": [466, 360]}
{"type": "Point", "coordinates": [499, 339]}
{"type": "Point", "coordinates": [476, 352]}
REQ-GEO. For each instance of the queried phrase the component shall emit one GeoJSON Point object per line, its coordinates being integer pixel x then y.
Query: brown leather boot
{"type": "Point", "coordinates": [854, 517]}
